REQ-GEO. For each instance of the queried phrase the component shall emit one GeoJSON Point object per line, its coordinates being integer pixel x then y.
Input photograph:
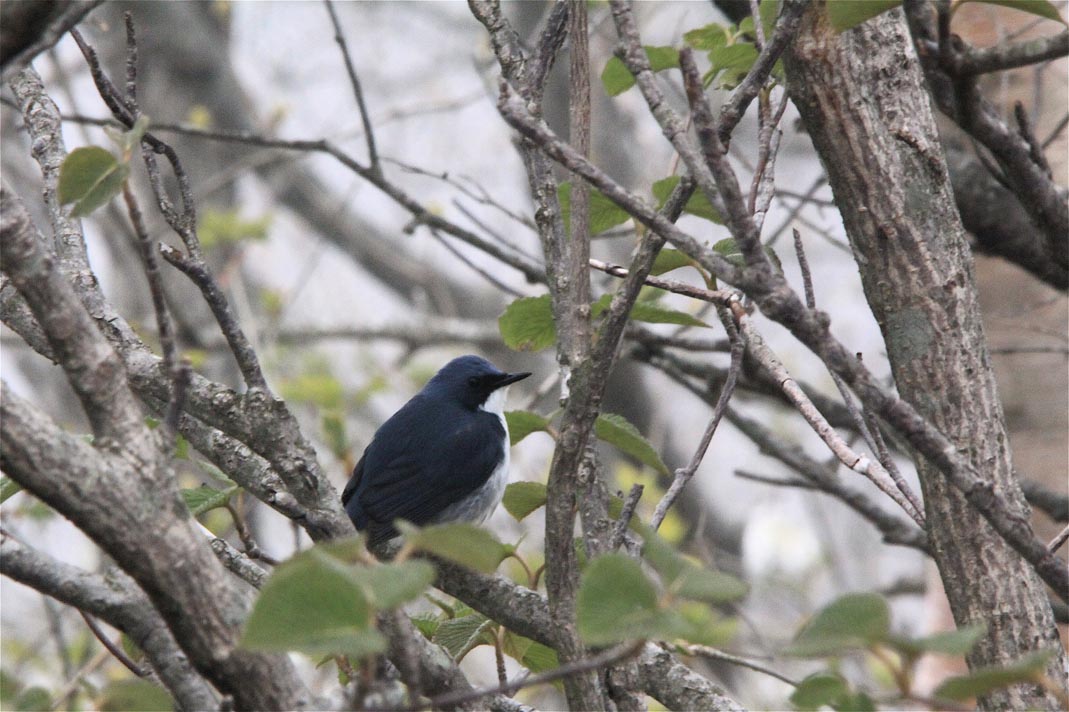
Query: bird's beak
{"type": "Point", "coordinates": [510, 378]}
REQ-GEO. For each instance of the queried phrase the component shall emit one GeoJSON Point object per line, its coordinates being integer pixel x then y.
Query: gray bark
{"type": "Point", "coordinates": [862, 98]}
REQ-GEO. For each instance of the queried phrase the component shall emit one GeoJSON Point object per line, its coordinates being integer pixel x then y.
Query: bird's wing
{"type": "Point", "coordinates": [401, 482]}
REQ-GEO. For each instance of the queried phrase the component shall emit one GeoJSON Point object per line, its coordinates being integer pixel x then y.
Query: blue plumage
{"type": "Point", "coordinates": [442, 457]}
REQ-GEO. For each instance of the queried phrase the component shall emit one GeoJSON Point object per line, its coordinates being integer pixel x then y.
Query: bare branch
{"type": "Point", "coordinates": [358, 92]}
{"type": "Point", "coordinates": [684, 474]}
{"type": "Point", "coordinates": [123, 607]}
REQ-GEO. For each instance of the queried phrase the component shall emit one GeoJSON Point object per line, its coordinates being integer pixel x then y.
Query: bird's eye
{"type": "Point", "coordinates": [473, 381]}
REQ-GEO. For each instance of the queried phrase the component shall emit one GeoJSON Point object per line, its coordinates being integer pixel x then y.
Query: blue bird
{"type": "Point", "coordinates": [443, 457]}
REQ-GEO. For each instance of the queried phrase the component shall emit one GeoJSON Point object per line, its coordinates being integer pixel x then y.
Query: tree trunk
{"type": "Point", "coordinates": [863, 100]}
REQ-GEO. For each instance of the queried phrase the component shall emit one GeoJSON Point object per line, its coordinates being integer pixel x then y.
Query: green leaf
{"type": "Point", "coordinates": [731, 63]}
{"type": "Point", "coordinates": [134, 694]}
{"type": "Point", "coordinates": [615, 601]}
{"type": "Point", "coordinates": [318, 388]}
{"type": "Point", "coordinates": [9, 689]}
{"type": "Point", "coordinates": [389, 585]}
{"type": "Point", "coordinates": [427, 624]}
{"type": "Point", "coordinates": [710, 37]}
{"type": "Point", "coordinates": [533, 656]}
{"type": "Point", "coordinates": [668, 260]}
{"type": "Point", "coordinates": [333, 424]}
{"type": "Point", "coordinates": [466, 544]}
{"type": "Point", "coordinates": [522, 423]}
{"type": "Point", "coordinates": [89, 177]}
{"type": "Point", "coordinates": [685, 578]}
{"type": "Point", "coordinates": [847, 14]}
{"type": "Point", "coordinates": [604, 214]}
{"type": "Point", "coordinates": [527, 324]}
{"type": "Point", "coordinates": [459, 634]}
{"type": "Point", "coordinates": [618, 432]}
{"type": "Point", "coordinates": [648, 312]}
{"type": "Point", "coordinates": [227, 227]}
{"type": "Point", "coordinates": [709, 585]}
{"type": "Point", "coordinates": [854, 621]}
{"type": "Point", "coordinates": [954, 642]}
{"type": "Point", "coordinates": [313, 603]}
{"type": "Point", "coordinates": [818, 690]}
{"type": "Point", "coordinates": [522, 498]}
{"type": "Point", "coordinates": [698, 205]}
{"type": "Point", "coordinates": [617, 78]}
{"type": "Point", "coordinates": [983, 680]}
{"type": "Point", "coordinates": [34, 699]}
{"type": "Point", "coordinates": [8, 487]}
{"type": "Point", "coordinates": [731, 252]}
{"type": "Point", "coordinates": [204, 498]}
{"type": "Point", "coordinates": [1043, 8]}
{"type": "Point", "coordinates": [855, 702]}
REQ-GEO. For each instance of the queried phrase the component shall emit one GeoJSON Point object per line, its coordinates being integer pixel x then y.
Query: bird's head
{"type": "Point", "coordinates": [474, 382]}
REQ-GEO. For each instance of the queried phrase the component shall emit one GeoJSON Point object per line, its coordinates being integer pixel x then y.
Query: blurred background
{"type": "Point", "coordinates": [352, 305]}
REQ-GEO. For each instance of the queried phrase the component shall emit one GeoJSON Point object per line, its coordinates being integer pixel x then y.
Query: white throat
{"type": "Point", "coordinates": [495, 403]}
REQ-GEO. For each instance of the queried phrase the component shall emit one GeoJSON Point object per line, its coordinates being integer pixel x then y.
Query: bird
{"type": "Point", "coordinates": [443, 457]}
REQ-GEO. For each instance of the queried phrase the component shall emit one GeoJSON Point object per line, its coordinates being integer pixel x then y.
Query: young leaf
{"type": "Point", "coordinates": [314, 604]}
{"type": "Point", "coordinates": [8, 487]}
{"type": "Point", "coordinates": [732, 63]}
{"type": "Point", "coordinates": [604, 214]}
{"type": "Point", "coordinates": [527, 324]}
{"type": "Point", "coordinates": [853, 621]}
{"type": "Point", "coordinates": [533, 656]}
{"type": "Point", "coordinates": [698, 205]}
{"type": "Point", "coordinates": [847, 14]}
{"type": "Point", "coordinates": [709, 585]}
{"type": "Point", "coordinates": [227, 227]}
{"type": "Point", "coordinates": [459, 634]}
{"type": "Point", "coordinates": [953, 642]}
{"type": "Point", "coordinates": [648, 312]}
{"type": "Point", "coordinates": [615, 601]}
{"type": "Point", "coordinates": [317, 388]}
{"type": "Point", "coordinates": [984, 680]}
{"type": "Point", "coordinates": [668, 260]}
{"type": "Point", "coordinates": [89, 177]}
{"type": "Point", "coordinates": [134, 694]}
{"type": "Point", "coordinates": [522, 423]}
{"type": "Point", "coordinates": [819, 690]}
{"type": "Point", "coordinates": [617, 78]}
{"type": "Point", "coordinates": [391, 584]}
{"type": "Point", "coordinates": [522, 498]}
{"type": "Point", "coordinates": [466, 544]}
{"type": "Point", "coordinates": [617, 431]}
{"type": "Point", "coordinates": [709, 37]}
{"type": "Point", "coordinates": [204, 498]}
{"type": "Point", "coordinates": [686, 579]}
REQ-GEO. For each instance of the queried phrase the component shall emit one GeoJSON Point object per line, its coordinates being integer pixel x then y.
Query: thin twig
{"type": "Point", "coordinates": [243, 352]}
{"type": "Point", "coordinates": [625, 517]}
{"type": "Point", "coordinates": [861, 464]}
{"type": "Point", "coordinates": [704, 651]}
{"type": "Point", "coordinates": [1024, 127]}
{"type": "Point", "coordinates": [866, 422]}
{"type": "Point", "coordinates": [596, 662]}
{"type": "Point", "coordinates": [715, 296]}
{"type": "Point", "coordinates": [485, 274]}
{"type": "Point", "coordinates": [131, 61]}
{"type": "Point", "coordinates": [1056, 132]}
{"type": "Point", "coordinates": [180, 380]}
{"type": "Point", "coordinates": [64, 694]}
{"type": "Point", "coordinates": [115, 650]}
{"type": "Point", "coordinates": [155, 283]}
{"type": "Point", "coordinates": [1057, 541]}
{"type": "Point", "coordinates": [358, 92]}
{"type": "Point", "coordinates": [684, 475]}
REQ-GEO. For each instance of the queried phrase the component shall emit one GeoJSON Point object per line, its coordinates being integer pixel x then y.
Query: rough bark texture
{"type": "Point", "coordinates": [862, 98]}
